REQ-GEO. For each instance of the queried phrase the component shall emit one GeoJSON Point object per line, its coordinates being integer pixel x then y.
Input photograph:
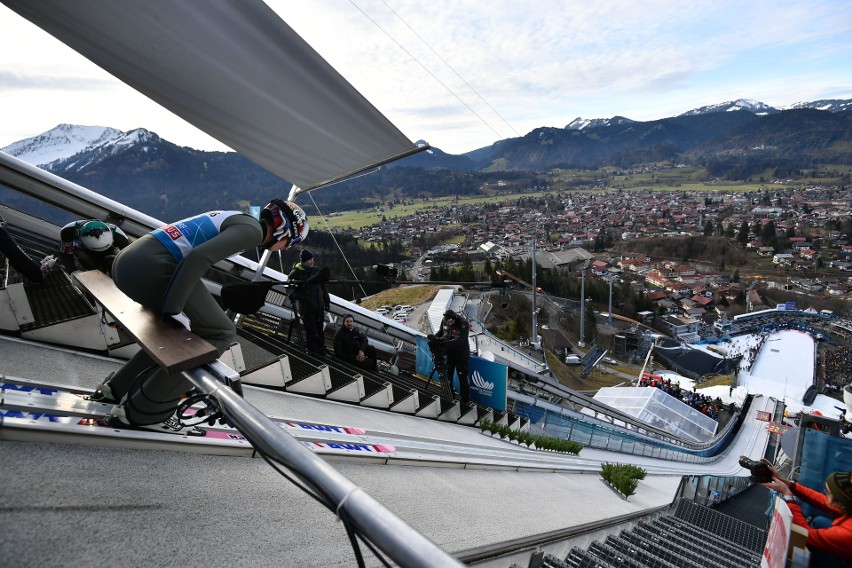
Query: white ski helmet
{"type": "Point", "coordinates": [95, 236]}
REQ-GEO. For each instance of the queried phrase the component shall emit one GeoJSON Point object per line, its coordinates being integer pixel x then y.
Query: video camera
{"type": "Point", "coordinates": [759, 470]}
{"type": "Point", "coordinates": [439, 352]}
{"type": "Point", "coordinates": [248, 297]}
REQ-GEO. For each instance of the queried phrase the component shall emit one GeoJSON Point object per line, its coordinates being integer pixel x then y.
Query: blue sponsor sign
{"type": "Point", "coordinates": [790, 306]}
{"type": "Point", "coordinates": [488, 380]}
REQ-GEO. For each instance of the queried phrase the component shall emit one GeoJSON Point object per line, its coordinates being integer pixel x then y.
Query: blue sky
{"type": "Point", "coordinates": [462, 74]}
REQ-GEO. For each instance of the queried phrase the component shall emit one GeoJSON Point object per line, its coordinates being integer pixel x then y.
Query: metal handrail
{"type": "Point", "coordinates": [393, 536]}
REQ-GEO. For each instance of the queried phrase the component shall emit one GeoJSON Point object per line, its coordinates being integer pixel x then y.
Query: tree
{"type": "Point", "coordinates": [708, 228]}
{"type": "Point", "coordinates": [767, 234]}
{"type": "Point", "coordinates": [590, 324]}
{"type": "Point", "coordinates": [742, 236]}
{"type": "Point", "coordinates": [466, 273]}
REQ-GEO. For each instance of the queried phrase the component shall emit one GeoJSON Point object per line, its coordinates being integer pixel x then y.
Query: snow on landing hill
{"type": "Point", "coordinates": [61, 142]}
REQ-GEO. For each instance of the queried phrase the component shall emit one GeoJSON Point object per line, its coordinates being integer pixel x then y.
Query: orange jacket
{"type": "Point", "coordinates": [835, 540]}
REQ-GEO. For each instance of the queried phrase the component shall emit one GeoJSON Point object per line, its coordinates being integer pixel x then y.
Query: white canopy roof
{"type": "Point", "coordinates": [236, 71]}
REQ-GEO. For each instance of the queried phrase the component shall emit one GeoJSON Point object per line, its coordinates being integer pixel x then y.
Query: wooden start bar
{"type": "Point", "coordinates": [171, 346]}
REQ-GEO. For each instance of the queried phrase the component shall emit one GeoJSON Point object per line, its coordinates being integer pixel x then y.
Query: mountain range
{"type": "Point", "coordinates": [166, 180]}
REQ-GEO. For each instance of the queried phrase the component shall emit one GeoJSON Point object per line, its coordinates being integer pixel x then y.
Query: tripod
{"type": "Point", "coordinates": [439, 361]}
{"type": "Point", "coordinates": [294, 323]}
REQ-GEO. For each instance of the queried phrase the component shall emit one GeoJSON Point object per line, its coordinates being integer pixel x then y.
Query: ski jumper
{"type": "Point", "coordinates": [71, 247]}
{"type": "Point", "coordinates": [162, 271]}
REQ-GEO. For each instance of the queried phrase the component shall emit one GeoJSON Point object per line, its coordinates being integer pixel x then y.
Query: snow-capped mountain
{"type": "Point", "coordinates": [749, 105]}
{"type": "Point", "coordinates": [580, 123]}
{"type": "Point", "coordinates": [68, 140]}
{"type": "Point", "coordinates": [831, 105]}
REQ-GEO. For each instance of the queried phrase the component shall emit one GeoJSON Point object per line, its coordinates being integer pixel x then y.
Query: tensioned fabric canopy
{"type": "Point", "coordinates": [236, 71]}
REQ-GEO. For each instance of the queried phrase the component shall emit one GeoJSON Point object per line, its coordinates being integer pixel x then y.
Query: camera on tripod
{"type": "Point", "coordinates": [760, 472]}
{"type": "Point", "coordinates": [439, 353]}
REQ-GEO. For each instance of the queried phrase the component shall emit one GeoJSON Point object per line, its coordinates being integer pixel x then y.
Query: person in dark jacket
{"type": "Point", "coordinates": [830, 546]}
{"type": "Point", "coordinates": [312, 301]}
{"type": "Point", "coordinates": [350, 345]}
{"type": "Point", "coordinates": [18, 258]}
{"type": "Point", "coordinates": [162, 271]}
{"type": "Point", "coordinates": [90, 244]}
{"type": "Point", "coordinates": [453, 334]}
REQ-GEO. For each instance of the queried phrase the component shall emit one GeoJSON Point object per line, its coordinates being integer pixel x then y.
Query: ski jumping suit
{"type": "Point", "coordinates": [163, 271]}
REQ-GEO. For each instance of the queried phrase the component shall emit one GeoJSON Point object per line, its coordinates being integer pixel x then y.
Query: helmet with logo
{"type": "Point", "coordinates": [95, 236]}
{"type": "Point", "coordinates": [288, 221]}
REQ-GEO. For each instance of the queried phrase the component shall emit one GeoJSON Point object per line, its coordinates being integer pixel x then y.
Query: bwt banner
{"type": "Point", "coordinates": [488, 380]}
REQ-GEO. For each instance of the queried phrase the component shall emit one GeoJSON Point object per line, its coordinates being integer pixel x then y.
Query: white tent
{"type": "Point", "coordinates": [655, 407]}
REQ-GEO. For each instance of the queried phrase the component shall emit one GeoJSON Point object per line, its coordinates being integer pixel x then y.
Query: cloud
{"type": "Point", "coordinates": [14, 81]}
{"type": "Point", "coordinates": [464, 73]}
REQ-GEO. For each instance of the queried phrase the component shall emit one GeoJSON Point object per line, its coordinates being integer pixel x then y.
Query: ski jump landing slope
{"type": "Point", "coordinates": [74, 505]}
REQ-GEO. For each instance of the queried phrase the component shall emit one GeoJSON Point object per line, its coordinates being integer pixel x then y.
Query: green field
{"type": "Point", "coordinates": [667, 179]}
{"type": "Point", "coordinates": [366, 218]}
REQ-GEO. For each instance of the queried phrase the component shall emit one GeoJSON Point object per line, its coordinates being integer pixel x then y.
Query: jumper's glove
{"type": "Point", "coordinates": [180, 319]}
{"type": "Point", "coordinates": [431, 337]}
{"type": "Point", "coordinates": [47, 263]}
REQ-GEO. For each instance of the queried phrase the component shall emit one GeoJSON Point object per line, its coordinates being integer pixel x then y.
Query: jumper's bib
{"type": "Point", "coordinates": [182, 236]}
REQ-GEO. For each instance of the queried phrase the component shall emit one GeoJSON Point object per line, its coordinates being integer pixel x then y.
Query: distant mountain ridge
{"type": "Point", "coordinates": [581, 123]}
{"type": "Point", "coordinates": [748, 105]}
{"type": "Point", "coordinates": [169, 181]}
{"type": "Point", "coordinates": [62, 142]}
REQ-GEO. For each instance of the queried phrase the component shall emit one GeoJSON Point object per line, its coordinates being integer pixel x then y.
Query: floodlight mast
{"type": "Point", "coordinates": [536, 343]}
{"type": "Point", "coordinates": [582, 340]}
{"type": "Point", "coordinates": [609, 278]}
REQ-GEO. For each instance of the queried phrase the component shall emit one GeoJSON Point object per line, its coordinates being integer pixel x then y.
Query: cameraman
{"type": "Point", "coordinates": [830, 541]}
{"type": "Point", "coordinates": [453, 338]}
{"type": "Point", "coordinates": [313, 301]}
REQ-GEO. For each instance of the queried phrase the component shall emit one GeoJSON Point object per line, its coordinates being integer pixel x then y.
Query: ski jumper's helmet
{"type": "Point", "coordinates": [288, 221]}
{"type": "Point", "coordinates": [95, 236]}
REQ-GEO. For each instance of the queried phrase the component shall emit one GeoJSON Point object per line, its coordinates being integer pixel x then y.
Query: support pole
{"type": "Point", "coordinates": [399, 541]}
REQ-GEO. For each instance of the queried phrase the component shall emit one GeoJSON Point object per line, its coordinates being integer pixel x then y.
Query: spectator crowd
{"type": "Point", "coordinates": [703, 403]}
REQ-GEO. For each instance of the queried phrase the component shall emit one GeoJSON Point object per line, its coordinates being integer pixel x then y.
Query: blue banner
{"type": "Point", "coordinates": [488, 383]}
{"type": "Point", "coordinates": [423, 364]}
{"type": "Point", "coordinates": [488, 380]}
